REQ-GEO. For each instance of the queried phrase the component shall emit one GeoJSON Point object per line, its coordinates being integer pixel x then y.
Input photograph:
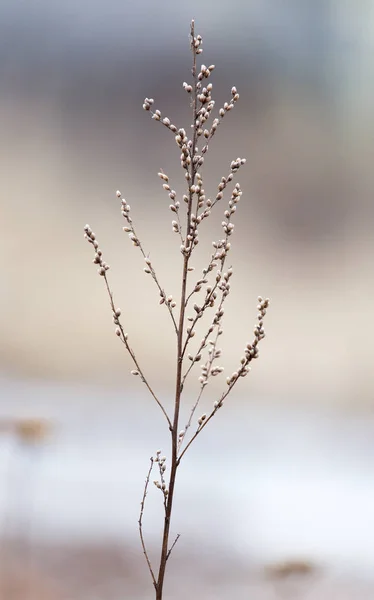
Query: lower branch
{"type": "Point", "coordinates": [141, 525]}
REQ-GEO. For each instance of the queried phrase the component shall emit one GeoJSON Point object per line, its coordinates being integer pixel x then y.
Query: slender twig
{"type": "Point", "coordinates": [203, 383]}
{"type": "Point", "coordinates": [149, 268]}
{"type": "Point", "coordinates": [201, 427]}
{"type": "Point", "coordinates": [172, 546]}
{"type": "Point", "coordinates": [216, 323]}
{"type": "Point", "coordinates": [193, 410]}
{"type": "Point", "coordinates": [222, 248]}
{"type": "Point", "coordinates": [203, 280]}
{"type": "Point", "coordinates": [140, 522]}
{"type": "Point", "coordinates": [177, 226]}
{"type": "Point", "coordinates": [123, 337]}
{"type": "Point", "coordinates": [162, 468]}
{"type": "Point", "coordinates": [209, 301]}
{"type": "Point", "coordinates": [103, 268]}
{"type": "Point", "coordinates": [250, 354]}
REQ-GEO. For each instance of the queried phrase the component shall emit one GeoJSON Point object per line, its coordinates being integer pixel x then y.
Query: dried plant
{"type": "Point", "coordinates": [213, 283]}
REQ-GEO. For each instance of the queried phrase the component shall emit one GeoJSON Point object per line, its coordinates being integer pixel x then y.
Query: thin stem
{"type": "Point", "coordinates": [203, 385]}
{"type": "Point", "coordinates": [207, 301]}
{"type": "Point", "coordinates": [217, 406]}
{"type": "Point", "coordinates": [131, 352]}
{"type": "Point", "coordinates": [176, 211]}
{"type": "Point", "coordinates": [153, 273]}
{"type": "Point", "coordinates": [201, 427]}
{"type": "Point", "coordinates": [140, 521]}
{"type": "Point", "coordinates": [178, 391]}
{"type": "Point", "coordinates": [163, 484]}
{"type": "Point", "coordinates": [193, 409]}
{"type": "Point", "coordinates": [172, 546]}
{"type": "Point", "coordinates": [215, 323]}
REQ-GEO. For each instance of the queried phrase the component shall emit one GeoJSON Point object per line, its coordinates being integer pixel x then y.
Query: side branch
{"type": "Point", "coordinates": [139, 370]}
{"type": "Point", "coordinates": [251, 353]}
{"type": "Point", "coordinates": [125, 209]}
{"type": "Point", "coordinates": [221, 247]}
{"type": "Point", "coordinates": [103, 268]}
{"type": "Point", "coordinates": [172, 546]}
{"type": "Point", "coordinates": [140, 521]}
{"type": "Point", "coordinates": [207, 372]}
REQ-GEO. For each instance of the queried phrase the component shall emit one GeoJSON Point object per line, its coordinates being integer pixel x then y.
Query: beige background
{"type": "Point", "coordinates": [74, 132]}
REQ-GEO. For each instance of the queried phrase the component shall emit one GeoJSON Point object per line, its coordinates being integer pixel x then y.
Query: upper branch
{"type": "Point", "coordinates": [130, 229]}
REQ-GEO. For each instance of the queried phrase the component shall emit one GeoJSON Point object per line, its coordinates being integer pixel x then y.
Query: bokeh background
{"type": "Point", "coordinates": [276, 500]}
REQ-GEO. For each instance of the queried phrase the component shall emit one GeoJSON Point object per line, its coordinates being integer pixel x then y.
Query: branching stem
{"type": "Point", "coordinates": [174, 432]}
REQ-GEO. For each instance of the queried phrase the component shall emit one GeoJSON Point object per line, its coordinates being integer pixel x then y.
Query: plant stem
{"type": "Point", "coordinates": [165, 553]}
{"type": "Point", "coordinates": [174, 437]}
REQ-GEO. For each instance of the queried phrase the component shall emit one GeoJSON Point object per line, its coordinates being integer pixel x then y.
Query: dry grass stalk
{"type": "Point", "coordinates": [189, 213]}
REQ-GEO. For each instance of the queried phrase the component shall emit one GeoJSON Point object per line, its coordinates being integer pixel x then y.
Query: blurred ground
{"type": "Point", "coordinates": [110, 572]}
{"type": "Point", "coordinates": [263, 487]}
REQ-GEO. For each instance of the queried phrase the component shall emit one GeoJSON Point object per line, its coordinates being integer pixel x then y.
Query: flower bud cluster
{"type": "Point", "coordinates": [116, 313]}
{"type": "Point", "coordinates": [174, 207]}
{"type": "Point", "coordinates": [224, 285]}
{"type": "Point", "coordinates": [258, 331]}
{"type": "Point", "coordinates": [125, 211]}
{"type": "Point", "coordinates": [156, 115]}
{"type": "Point", "coordinates": [205, 72]}
{"type": "Point", "coordinates": [148, 102]}
{"type": "Point", "coordinates": [182, 142]}
{"type": "Point", "coordinates": [170, 302]}
{"type": "Point", "coordinates": [251, 350]}
{"type": "Point", "coordinates": [221, 247]}
{"type": "Point", "coordinates": [192, 238]}
{"type": "Point", "coordinates": [187, 87]}
{"type": "Point", "coordinates": [227, 107]}
{"type": "Point", "coordinates": [161, 485]}
{"type": "Point", "coordinates": [98, 259]}
{"type": "Point", "coordinates": [196, 44]}
{"type": "Point", "coordinates": [207, 370]}
{"type": "Point", "coordinates": [202, 419]}
{"type": "Point", "coordinates": [236, 164]}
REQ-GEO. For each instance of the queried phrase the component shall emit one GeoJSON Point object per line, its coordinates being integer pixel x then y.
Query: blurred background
{"type": "Point", "coordinates": [276, 499]}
